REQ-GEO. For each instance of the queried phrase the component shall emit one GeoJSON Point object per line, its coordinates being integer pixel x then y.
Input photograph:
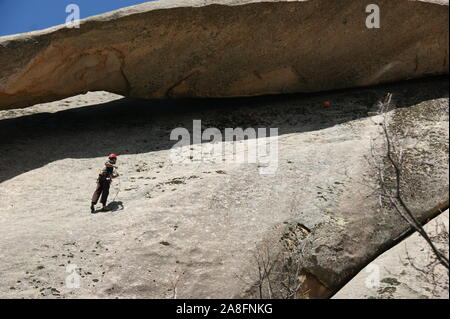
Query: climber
{"type": "Point", "coordinates": [103, 182]}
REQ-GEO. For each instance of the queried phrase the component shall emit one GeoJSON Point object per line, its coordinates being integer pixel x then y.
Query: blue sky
{"type": "Point", "coordinates": [17, 16]}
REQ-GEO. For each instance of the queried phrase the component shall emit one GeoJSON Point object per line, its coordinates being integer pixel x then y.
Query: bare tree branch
{"type": "Point", "coordinates": [396, 198]}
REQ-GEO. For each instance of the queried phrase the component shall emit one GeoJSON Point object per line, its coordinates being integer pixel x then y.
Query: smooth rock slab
{"type": "Point", "coordinates": [198, 230]}
{"type": "Point", "coordinates": [406, 271]}
{"type": "Point", "coordinates": [179, 48]}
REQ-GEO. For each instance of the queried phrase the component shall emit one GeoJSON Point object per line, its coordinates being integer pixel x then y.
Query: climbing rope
{"type": "Point", "coordinates": [118, 190]}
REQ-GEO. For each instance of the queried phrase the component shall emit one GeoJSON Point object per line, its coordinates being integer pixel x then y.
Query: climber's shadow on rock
{"type": "Point", "coordinates": [113, 206]}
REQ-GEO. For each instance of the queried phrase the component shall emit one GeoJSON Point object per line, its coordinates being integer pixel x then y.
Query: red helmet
{"type": "Point", "coordinates": [111, 156]}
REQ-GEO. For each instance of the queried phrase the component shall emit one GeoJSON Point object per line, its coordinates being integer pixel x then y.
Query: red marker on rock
{"type": "Point", "coordinates": [327, 104]}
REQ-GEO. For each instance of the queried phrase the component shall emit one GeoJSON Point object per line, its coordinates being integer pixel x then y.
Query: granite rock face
{"type": "Point", "coordinates": [202, 229]}
{"type": "Point", "coordinates": [193, 48]}
{"type": "Point", "coordinates": [407, 271]}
